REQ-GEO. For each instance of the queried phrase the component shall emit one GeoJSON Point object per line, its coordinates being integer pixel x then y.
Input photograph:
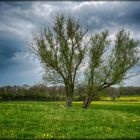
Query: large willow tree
{"type": "Point", "coordinates": [109, 63]}
{"type": "Point", "coordinates": [61, 49]}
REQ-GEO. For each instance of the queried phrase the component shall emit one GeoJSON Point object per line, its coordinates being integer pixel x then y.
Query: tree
{"type": "Point", "coordinates": [61, 50]}
{"type": "Point", "coordinates": [109, 64]}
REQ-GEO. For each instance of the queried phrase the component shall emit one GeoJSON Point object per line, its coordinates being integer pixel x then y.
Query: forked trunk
{"type": "Point", "coordinates": [87, 102]}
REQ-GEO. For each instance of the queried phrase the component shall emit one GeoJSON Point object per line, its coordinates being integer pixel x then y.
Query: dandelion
{"type": "Point", "coordinates": [109, 129]}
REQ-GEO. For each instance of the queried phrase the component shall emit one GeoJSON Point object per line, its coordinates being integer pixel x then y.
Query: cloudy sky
{"type": "Point", "coordinates": [18, 20]}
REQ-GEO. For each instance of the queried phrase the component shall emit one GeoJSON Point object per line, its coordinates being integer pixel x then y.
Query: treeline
{"type": "Point", "coordinates": [37, 92]}
{"type": "Point", "coordinates": [57, 93]}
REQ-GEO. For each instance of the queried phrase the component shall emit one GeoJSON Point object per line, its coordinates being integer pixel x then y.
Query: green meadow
{"type": "Point", "coordinates": [52, 120]}
{"type": "Point", "coordinates": [122, 98]}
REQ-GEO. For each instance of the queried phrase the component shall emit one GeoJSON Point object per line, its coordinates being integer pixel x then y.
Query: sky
{"type": "Point", "coordinates": [18, 20]}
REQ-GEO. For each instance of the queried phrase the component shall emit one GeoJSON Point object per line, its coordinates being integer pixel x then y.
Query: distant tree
{"type": "Point", "coordinates": [61, 50]}
{"type": "Point", "coordinates": [109, 64]}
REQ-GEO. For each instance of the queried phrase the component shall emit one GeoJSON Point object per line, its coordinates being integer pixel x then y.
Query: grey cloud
{"type": "Point", "coordinates": [19, 19]}
{"type": "Point", "coordinates": [103, 16]}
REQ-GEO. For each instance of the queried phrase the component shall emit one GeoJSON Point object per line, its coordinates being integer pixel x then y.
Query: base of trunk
{"type": "Point", "coordinates": [87, 102]}
{"type": "Point", "coordinates": [69, 102]}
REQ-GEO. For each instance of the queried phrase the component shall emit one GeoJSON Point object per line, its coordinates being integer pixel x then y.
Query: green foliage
{"type": "Point", "coordinates": [109, 68]}
{"type": "Point", "coordinates": [61, 50]}
{"type": "Point", "coordinates": [39, 120]}
{"type": "Point", "coordinates": [109, 65]}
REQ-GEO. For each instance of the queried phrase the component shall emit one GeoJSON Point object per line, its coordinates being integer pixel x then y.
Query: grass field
{"type": "Point", "coordinates": [122, 98]}
{"type": "Point", "coordinates": [40, 120]}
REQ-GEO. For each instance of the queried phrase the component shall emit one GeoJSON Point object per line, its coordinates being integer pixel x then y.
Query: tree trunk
{"type": "Point", "coordinates": [69, 94]}
{"type": "Point", "coordinates": [87, 102]}
{"type": "Point", "coordinates": [69, 102]}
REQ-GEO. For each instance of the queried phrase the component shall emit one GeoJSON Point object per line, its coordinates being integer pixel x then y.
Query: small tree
{"type": "Point", "coordinates": [61, 50]}
{"type": "Point", "coordinates": [109, 65]}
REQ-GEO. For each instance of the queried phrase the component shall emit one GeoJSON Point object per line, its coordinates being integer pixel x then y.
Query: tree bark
{"type": "Point", "coordinates": [87, 102]}
{"type": "Point", "coordinates": [69, 102]}
{"type": "Point", "coordinates": [69, 94]}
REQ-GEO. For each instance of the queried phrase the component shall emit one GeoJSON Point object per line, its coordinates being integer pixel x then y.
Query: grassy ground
{"type": "Point", "coordinates": [39, 120]}
{"type": "Point", "coordinates": [123, 98]}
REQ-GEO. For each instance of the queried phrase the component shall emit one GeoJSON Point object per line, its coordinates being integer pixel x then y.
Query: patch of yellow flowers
{"type": "Point", "coordinates": [47, 135]}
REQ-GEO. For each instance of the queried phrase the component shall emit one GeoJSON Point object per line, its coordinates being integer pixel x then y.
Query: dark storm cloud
{"type": "Point", "coordinates": [109, 14]}
{"type": "Point", "coordinates": [19, 19]}
{"type": "Point", "coordinates": [7, 50]}
{"type": "Point", "coordinates": [15, 29]}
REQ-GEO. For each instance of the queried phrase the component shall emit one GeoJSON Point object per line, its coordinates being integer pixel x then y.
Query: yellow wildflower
{"type": "Point", "coordinates": [109, 129]}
